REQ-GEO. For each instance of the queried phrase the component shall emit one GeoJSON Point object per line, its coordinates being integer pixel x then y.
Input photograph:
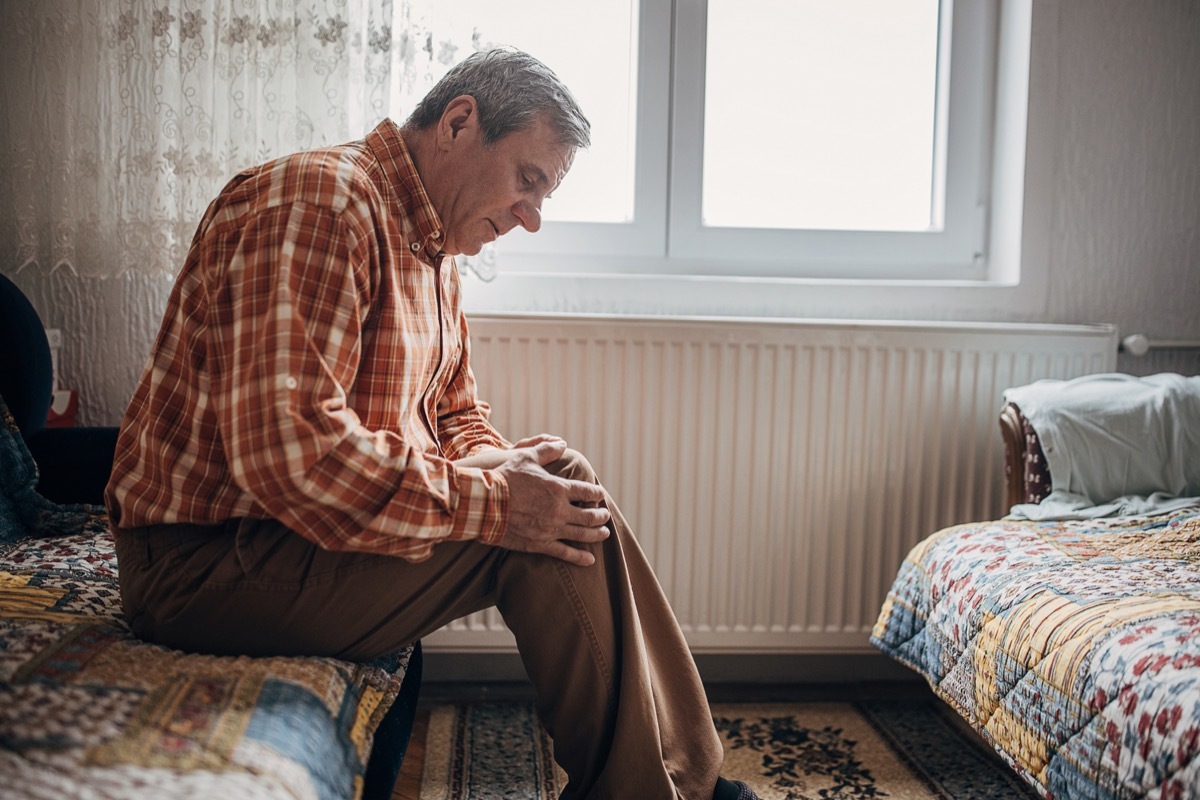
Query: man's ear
{"type": "Point", "coordinates": [460, 117]}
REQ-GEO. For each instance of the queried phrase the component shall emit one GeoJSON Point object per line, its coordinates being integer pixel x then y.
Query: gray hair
{"type": "Point", "coordinates": [511, 90]}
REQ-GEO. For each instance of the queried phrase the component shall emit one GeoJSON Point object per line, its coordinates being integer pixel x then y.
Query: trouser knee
{"type": "Point", "coordinates": [574, 466]}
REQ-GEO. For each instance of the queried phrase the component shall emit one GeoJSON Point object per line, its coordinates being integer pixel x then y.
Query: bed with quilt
{"type": "Point", "coordinates": [1067, 634]}
{"type": "Point", "coordinates": [87, 710]}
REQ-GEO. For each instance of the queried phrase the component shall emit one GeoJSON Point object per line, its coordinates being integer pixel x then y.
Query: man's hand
{"type": "Point", "coordinates": [494, 456]}
{"type": "Point", "coordinates": [547, 513]}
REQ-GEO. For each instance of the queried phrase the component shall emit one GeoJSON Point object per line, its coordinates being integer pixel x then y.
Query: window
{"type": "Point", "coordinates": [841, 100]}
{"type": "Point", "coordinates": [766, 138]}
{"type": "Point", "coordinates": [819, 143]}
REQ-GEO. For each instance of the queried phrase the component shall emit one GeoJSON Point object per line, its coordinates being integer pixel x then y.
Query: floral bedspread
{"type": "Point", "coordinates": [1073, 647]}
{"type": "Point", "coordinates": [88, 711]}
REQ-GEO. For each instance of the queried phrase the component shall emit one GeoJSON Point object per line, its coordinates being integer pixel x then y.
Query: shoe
{"type": "Point", "coordinates": [733, 790]}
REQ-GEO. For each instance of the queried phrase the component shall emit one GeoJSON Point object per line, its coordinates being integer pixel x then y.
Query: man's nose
{"type": "Point", "coordinates": [529, 215]}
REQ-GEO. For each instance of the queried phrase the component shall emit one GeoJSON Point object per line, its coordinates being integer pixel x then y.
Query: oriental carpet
{"type": "Point", "coordinates": [899, 749]}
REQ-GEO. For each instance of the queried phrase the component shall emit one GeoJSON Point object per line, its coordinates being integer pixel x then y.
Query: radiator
{"type": "Point", "coordinates": [776, 473]}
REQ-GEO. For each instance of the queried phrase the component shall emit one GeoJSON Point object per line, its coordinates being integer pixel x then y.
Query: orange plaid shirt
{"type": "Point", "coordinates": [312, 367]}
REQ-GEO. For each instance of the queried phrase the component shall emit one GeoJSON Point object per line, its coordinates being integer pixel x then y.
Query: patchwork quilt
{"type": "Point", "coordinates": [1072, 647]}
{"type": "Point", "coordinates": [86, 710]}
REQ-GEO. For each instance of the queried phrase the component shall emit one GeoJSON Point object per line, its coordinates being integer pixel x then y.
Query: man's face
{"type": "Point", "coordinates": [491, 190]}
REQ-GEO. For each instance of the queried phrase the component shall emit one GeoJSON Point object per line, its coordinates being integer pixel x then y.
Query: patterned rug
{"type": "Point", "coordinates": [903, 750]}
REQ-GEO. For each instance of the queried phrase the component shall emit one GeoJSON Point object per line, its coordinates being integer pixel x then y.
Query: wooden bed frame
{"type": "Point", "coordinates": [1026, 473]}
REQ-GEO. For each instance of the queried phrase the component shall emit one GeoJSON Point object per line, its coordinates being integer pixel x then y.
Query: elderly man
{"type": "Point", "coordinates": [305, 467]}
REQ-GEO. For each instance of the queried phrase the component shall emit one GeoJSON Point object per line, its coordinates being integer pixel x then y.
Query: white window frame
{"type": "Point", "coordinates": [667, 225]}
{"type": "Point", "coordinates": [1014, 279]}
{"type": "Point", "coordinates": [956, 250]}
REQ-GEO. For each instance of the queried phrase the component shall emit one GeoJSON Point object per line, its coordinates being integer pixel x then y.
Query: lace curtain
{"type": "Point", "coordinates": [124, 119]}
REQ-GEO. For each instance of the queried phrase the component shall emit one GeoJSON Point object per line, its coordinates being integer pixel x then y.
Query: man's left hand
{"type": "Point", "coordinates": [490, 459]}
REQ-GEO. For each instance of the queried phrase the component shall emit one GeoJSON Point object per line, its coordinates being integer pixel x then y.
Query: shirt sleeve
{"type": "Point", "coordinates": [463, 419]}
{"type": "Point", "coordinates": [294, 299]}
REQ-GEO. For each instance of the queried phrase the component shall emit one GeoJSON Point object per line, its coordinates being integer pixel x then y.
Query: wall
{"type": "Point", "coordinates": [1126, 245]}
{"type": "Point", "coordinates": [1125, 200]}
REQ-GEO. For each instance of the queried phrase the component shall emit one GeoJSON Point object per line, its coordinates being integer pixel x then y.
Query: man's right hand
{"type": "Point", "coordinates": [546, 513]}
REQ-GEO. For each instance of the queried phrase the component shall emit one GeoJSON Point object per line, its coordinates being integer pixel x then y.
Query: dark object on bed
{"type": "Point", "coordinates": [73, 463]}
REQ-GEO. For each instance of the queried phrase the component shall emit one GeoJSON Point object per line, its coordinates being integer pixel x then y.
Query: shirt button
{"type": "Point", "coordinates": [415, 246]}
{"type": "Point", "coordinates": [291, 382]}
{"type": "Point", "coordinates": [436, 235]}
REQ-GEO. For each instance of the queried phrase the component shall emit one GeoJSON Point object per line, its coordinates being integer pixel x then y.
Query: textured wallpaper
{"type": "Point", "coordinates": [1125, 234]}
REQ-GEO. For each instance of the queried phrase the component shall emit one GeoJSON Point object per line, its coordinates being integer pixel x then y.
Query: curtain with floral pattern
{"type": "Point", "coordinates": [124, 118]}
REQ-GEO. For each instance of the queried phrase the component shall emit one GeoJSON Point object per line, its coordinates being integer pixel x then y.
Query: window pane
{"type": "Point", "coordinates": [598, 61]}
{"type": "Point", "coordinates": [820, 114]}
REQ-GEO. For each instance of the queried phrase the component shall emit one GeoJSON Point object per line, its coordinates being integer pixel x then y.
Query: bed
{"type": "Point", "coordinates": [1067, 634]}
{"type": "Point", "coordinates": [87, 710]}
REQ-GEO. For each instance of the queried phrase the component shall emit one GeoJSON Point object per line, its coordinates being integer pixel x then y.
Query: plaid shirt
{"type": "Point", "coordinates": [312, 367]}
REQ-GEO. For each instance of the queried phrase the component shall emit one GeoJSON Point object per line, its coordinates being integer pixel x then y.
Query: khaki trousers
{"type": "Point", "coordinates": [615, 682]}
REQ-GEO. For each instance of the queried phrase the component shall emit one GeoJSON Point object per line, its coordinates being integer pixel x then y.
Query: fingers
{"type": "Point", "coordinates": [562, 548]}
{"type": "Point", "coordinates": [577, 492]}
{"type": "Point", "coordinates": [583, 492]}
{"type": "Point", "coordinates": [572, 555]}
{"type": "Point", "coordinates": [565, 548]}
{"type": "Point", "coordinates": [564, 544]}
{"type": "Point", "coordinates": [588, 517]}
{"type": "Point", "coordinates": [548, 514]}
{"type": "Point", "coordinates": [533, 441]}
{"type": "Point", "coordinates": [549, 451]}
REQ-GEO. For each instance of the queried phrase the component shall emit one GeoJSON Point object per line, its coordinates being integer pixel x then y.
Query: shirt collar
{"type": "Point", "coordinates": [422, 227]}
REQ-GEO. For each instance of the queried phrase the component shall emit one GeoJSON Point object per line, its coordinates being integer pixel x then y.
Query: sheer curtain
{"type": "Point", "coordinates": [123, 119]}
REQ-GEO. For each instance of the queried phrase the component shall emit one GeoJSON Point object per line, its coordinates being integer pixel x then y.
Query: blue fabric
{"type": "Point", "coordinates": [24, 512]}
{"type": "Point", "coordinates": [293, 720]}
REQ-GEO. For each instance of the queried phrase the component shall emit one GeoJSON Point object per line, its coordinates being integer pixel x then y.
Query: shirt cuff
{"type": "Point", "coordinates": [482, 511]}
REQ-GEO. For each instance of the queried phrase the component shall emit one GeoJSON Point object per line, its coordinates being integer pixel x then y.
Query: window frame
{"type": "Point", "coordinates": [1020, 233]}
{"type": "Point", "coordinates": [957, 250]}
{"type": "Point", "coordinates": [666, 236]}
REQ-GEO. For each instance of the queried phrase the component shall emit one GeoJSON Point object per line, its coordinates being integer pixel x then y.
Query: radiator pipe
{"type": "Point", "coordinates": [1138, 344]}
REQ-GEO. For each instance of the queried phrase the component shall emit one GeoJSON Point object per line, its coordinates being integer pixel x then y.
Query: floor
{"type": "Point", "coordinates": [408, 786]}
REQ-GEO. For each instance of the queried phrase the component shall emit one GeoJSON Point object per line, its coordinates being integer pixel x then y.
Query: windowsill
{"type": "Point", "coordinates": [777, 298]}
